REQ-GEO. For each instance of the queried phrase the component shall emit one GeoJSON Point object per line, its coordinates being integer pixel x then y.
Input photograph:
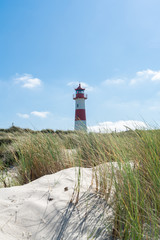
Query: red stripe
{"type": "Point", "coordinates": [80, 114]}
{"type": "Point", "coordinates": [80, 95]}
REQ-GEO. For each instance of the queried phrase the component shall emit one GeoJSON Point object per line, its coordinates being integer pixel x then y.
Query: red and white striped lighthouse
{"type": "Point", "coordinates": [80, 112]}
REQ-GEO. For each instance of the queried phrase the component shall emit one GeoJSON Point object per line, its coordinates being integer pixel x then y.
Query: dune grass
{"type": "Point", "coordinates": [40, 154]}
{"type": "Point", "coordinates": [132, 188]}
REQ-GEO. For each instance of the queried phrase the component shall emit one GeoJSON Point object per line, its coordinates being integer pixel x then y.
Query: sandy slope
{"type": "Point", "coordinates": [42, 209]}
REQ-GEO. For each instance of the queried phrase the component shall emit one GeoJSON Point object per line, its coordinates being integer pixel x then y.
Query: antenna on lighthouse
{"type": "Point", "coordinates": [80, 112]}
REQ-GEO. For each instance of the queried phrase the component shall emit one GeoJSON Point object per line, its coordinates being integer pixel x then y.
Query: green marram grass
{"type": "Point", "coordinates": [133, 187]}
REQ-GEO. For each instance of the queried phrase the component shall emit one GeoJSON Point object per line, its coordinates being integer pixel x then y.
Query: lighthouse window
{"type": "Point", "coordinates": [79, 91]}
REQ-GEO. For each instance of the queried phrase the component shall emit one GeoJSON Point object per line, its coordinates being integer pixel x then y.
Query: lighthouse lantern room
{"type": "Point", "coordinates": [80, 112]}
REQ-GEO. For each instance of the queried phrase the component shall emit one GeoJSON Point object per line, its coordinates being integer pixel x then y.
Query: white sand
{"type": "Point", "coordinates": [42, 209]}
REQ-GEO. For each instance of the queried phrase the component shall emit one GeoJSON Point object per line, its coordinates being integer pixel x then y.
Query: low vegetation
{"type": "Point", "coordinates": [134, 186]}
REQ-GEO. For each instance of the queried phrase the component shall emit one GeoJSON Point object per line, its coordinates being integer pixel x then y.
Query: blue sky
{"type": "Point", "coordinates": [47, 47]}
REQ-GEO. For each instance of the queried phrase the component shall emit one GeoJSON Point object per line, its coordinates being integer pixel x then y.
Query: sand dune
{"type": "Point", "coordinates": [43, 209]}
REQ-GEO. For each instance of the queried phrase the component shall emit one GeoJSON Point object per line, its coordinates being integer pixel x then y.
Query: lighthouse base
{"type": "Point", "coordinates": [80, 125]}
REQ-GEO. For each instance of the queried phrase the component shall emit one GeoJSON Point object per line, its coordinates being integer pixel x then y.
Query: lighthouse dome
{"type": "Point", "coordinates": [79, 88]}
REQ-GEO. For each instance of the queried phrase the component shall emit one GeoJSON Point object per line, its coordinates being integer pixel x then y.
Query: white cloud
{"type": "Point", "coordinates": [23, 115]}
{"type": "Point", "coordinates": [28, 81]}
{"type": "Point", "coordinates": [156, 77]}
{"type": "Point", "coordinates": [83, 85]}
{"type": "Point", "coordinates": [40, 114]}
{"type": "Point", "coordinates": [146, 75]}
{"type": "Point", "coordinates": [117, 126]}
{"type": "Point", "coordinates": [117, 81]}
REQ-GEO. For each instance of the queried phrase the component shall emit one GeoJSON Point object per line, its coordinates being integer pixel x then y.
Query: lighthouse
{"type": "Point", "coordinates": [80, 112]}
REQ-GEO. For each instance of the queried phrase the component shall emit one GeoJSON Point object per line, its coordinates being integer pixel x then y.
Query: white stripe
{"type": "Point", "coordinates": [80, 125]}
{"type": "Point", "coordinates": [80, 103]}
